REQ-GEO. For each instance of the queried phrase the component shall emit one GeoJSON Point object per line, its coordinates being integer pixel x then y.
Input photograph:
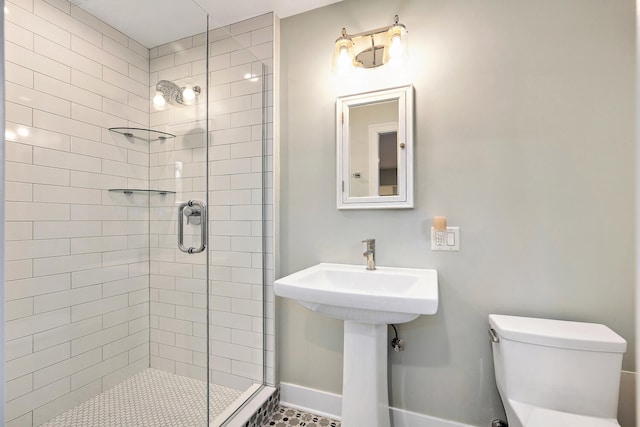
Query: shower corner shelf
{"type": "Point", "coordinates": [138, 190]}
{"type": "Point", "coordinates": [141, 133]}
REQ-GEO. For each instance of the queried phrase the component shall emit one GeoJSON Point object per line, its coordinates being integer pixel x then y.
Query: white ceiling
{"type": "Point", "coordinates": [155, 22]}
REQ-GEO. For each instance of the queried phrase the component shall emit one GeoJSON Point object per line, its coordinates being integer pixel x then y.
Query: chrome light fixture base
{"type": "Point", "coordinates": [370, 49]}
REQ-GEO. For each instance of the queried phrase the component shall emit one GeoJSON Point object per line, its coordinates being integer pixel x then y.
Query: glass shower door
{"type": "Point", "coordinates": [239, 183]}
{"type": "Point", "coordinates": [178, 221]}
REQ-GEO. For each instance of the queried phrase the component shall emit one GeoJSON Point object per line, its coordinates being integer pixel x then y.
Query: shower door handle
{"type": "Point", "coordinates": [193, 208]}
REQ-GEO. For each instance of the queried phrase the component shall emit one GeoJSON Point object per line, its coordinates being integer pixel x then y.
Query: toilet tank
{"type": "Point", "coordinates": [560, 365]}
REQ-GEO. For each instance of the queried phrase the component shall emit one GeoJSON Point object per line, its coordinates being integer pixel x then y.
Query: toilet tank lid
{"type": "Point", "coordinates": [558, 333]}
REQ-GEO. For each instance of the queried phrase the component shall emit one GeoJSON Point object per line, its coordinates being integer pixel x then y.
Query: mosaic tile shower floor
{"type": "Point", "coordinates": [285, 417]}
{"type": "Point", "coordinates": [151, 398]}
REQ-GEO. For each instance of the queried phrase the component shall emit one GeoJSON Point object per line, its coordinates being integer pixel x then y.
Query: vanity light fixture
{"type": "Point", "coordinates": [370, 49]}
{"type": "Point", "coordinates": [170, 92]}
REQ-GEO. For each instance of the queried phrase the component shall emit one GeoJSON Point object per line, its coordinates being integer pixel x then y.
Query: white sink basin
{"type": "Point", "coordinates": [366, 300]}
{"type": "Point", "coordinates": [351, 292]}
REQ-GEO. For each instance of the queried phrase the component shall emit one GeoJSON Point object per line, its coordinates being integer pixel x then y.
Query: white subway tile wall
{"type": "Point", "coordinates": [77, 300]}
{"type": "Point", "coordinates": [96, 290]}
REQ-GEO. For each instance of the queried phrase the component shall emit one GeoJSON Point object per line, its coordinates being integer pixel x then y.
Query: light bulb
{"type": "Point", "coordinates": [344, 61]}
{"type": "Point", "coordinates": [159, 100]}
{"type": "Point", "coordinates": [188, 94]}
{"type": "Point", "coordinates": [395, 46]}
{"type": "Point", "coordinates": [395, 51]}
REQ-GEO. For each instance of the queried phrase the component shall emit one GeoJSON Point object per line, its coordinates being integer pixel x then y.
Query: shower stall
{"type": "Point", "coordinates": [139, 225]}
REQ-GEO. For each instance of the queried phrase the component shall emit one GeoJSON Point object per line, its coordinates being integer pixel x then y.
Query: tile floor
{"type": "Point", "coordinates": [285, 417]}
{"type": "Point", "coordinates": [151, 398]}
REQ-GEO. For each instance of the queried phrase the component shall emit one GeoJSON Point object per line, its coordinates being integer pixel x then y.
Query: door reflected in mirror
{"type": "Point", "coordinates": [388, 163]}
{"type": "Point", "coordinates": [373, 156]}
{"type": "Point", "coordinates": [374, 150]}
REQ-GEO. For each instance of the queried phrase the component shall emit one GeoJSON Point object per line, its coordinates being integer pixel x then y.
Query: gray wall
{"type": "Point", "coordinates": [524, 118]}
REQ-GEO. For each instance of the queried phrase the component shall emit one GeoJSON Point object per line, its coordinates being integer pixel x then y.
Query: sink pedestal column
{"type": "Point", "coordinates": [365, 397]}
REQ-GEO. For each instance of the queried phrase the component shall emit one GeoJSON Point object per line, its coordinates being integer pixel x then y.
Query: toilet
{"type": "Point", "coordinates": [556, 373]}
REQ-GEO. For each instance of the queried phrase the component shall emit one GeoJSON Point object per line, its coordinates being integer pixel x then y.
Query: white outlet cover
{"type": "Point", "coordinates": [444, 242]}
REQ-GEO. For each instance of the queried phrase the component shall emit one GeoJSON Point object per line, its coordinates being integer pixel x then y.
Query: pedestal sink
{"type": "Point", "coordinates": [367, 300]}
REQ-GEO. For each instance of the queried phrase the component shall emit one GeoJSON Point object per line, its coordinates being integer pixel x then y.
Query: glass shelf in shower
{"type": "Point", "coordinates": [144, 134]}
{"type": "Point", "coordinates": [138, 190]}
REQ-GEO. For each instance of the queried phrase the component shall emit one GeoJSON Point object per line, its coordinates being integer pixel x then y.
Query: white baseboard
{"type": "Point", "coordinates": [311, 400]}
{"type": "Point", "coordinates": [330, 405]}
{"type": "Point", "coordinates": [402, 418]}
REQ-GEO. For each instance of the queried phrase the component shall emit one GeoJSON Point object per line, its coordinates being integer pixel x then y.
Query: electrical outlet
{"type": "Point", "coordinates": [448, 240]}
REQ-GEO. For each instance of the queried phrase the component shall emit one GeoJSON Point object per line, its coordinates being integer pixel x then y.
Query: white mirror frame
{"type": "Point", "coordinates": [404, 199]}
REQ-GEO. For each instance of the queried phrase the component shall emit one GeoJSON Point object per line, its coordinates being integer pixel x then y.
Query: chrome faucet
{"type": "Point", "coordinates": [370, 253]}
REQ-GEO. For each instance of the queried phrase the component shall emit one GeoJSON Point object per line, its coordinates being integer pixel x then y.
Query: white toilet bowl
{"type": "Point", "coordinates": [556, 373]}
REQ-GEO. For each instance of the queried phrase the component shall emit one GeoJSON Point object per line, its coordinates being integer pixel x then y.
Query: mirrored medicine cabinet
{"type": "Point", "coordinates": [375, 149]}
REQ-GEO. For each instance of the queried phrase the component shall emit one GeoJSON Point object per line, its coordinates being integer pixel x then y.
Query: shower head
{"type": "Point", "coordinates": [167, 91]}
